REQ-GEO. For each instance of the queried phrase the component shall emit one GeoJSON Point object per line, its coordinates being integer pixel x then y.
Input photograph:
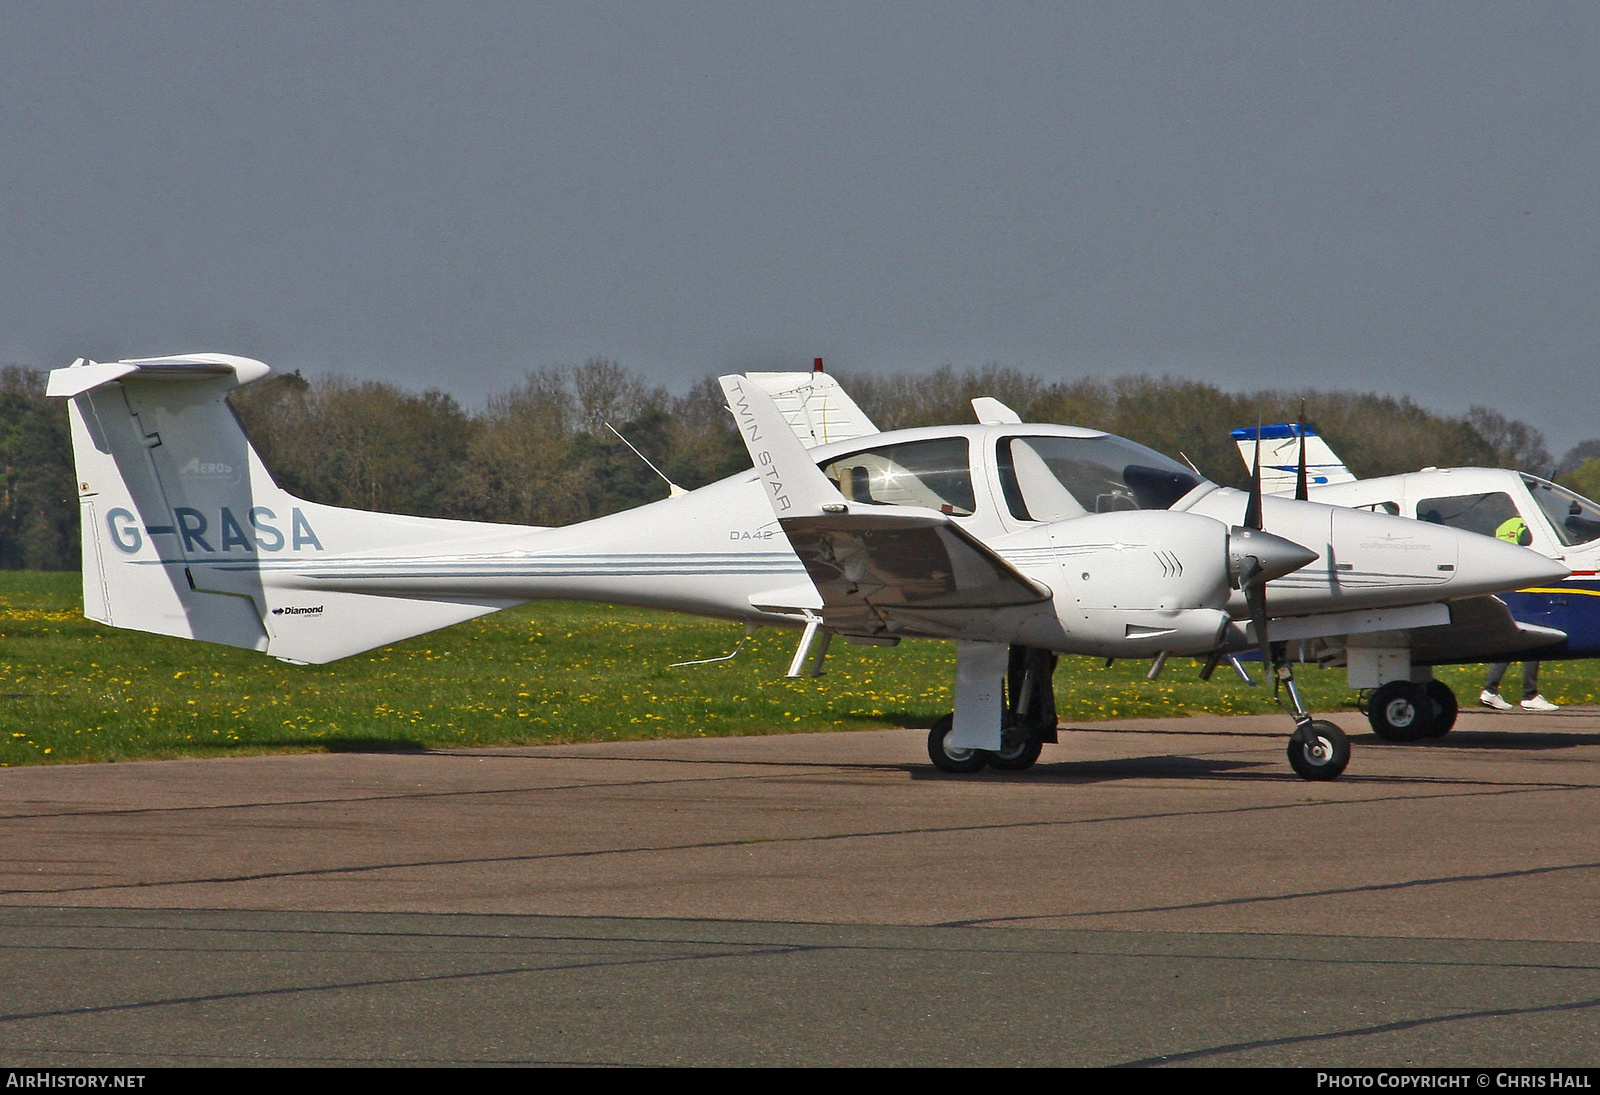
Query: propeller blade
{"type": "Point", "coordinates": [1255, 595]}
{"type": "Point", "coordinates": [1302, 491]}
{"type": "Point", "coordinates": [1252, 512]}
{"type": "Point", "coordinates": [1256, 558]}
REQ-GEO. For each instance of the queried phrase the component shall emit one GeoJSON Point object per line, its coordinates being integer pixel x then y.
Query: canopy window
{"type": "Point", "coordinates": [1054, 478]}
{"type": "Point", "coordinates": [932, 474]}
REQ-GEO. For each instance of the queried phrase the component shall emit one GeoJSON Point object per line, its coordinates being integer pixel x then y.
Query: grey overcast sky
{"type": "Point", "coordinates": [1401, 198]}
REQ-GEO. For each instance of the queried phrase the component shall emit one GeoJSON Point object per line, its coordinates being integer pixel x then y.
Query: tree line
{"type": "Point", "coordinates": [543, 452]}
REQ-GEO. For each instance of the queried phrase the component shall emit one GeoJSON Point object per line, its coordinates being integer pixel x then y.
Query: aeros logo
{"type": "Point", "coordinates": [196, 533]}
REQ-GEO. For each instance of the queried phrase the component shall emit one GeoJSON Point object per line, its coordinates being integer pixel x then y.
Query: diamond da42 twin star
{"type": "Point", "coordinates": [1019, 542]}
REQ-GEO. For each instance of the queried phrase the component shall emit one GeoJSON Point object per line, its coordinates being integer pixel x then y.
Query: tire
{"type": "Point", "coordinates": [1017, 755]}
{"type": "Point", "coordinates": [1445, 708]}
{"type": "Point", "coordinates": [1400, 711]}
{"type": "Point", "coordinates": [1327, 760]}
{"type": "Point", "coordinates": [951, 759]}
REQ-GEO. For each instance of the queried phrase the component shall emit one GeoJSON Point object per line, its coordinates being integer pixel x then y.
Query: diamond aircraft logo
{"type": "Point", "coordinates": [1391, 542]}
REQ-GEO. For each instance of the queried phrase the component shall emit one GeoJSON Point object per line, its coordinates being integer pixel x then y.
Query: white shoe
{"type": "Point", "coordinates": [1494, 700]}
{"type": "Point", "coordinates": [1539, 703]}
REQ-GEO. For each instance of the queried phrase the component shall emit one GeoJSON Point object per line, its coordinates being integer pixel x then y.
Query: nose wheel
{"type": "Point", "coordinates": [1318, 750]}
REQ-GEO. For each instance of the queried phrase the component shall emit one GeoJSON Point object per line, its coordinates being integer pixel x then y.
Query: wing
{"type": "Point", "coordinates": [1480, 629]}
{"type": "Point", "coordinates": [1473, 629]}
{"type": "Point", "coordinates": [874, 567]}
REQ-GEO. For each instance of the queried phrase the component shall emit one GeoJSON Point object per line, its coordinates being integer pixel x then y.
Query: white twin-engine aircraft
{"type": "Point", "coordinates": [1019, 542]}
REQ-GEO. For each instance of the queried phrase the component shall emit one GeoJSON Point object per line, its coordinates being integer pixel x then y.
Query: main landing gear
{"type": "Point", "coordinates": [1318, 749]}
{"type": "Point", "coordinates": [1408, 710]}
{"type": "Point", "coordinates": [1028, 721]}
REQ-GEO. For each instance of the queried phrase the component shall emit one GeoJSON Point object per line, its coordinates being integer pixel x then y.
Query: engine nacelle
{"type": "Point", "coordinates": [1145, 633]}
{"type": "Point", "coordinates": [1137, 582]}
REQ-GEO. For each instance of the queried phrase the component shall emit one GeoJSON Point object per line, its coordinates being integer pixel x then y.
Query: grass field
{"type": "Point", "coordinates": [71, 690]}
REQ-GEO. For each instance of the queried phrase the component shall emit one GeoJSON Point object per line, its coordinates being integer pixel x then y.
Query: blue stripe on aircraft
{"type": "Point", "coordinates": [1273, 433]}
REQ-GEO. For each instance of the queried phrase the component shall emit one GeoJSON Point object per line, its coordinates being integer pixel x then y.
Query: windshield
{"type": "Point", "coordinates": [1575, 518]}
{"type": "Point", "coordinates": [1051, 478]}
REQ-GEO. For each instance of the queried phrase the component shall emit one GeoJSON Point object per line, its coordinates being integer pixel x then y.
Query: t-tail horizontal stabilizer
{"type": "Point", "coordinates": [1280, 457]}
{"type": "Point", "coordinates": [816, 408]}
{"type": "Point", "coordinates": [185, 532]}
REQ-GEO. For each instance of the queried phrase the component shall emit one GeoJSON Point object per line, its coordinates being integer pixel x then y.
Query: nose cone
{"type": "Point", "coordinates": [1487, 565]}
{"type": "Point", "coordinates": [1275, 556]}
{"type": "Point", "coordinates": [1388, 559]}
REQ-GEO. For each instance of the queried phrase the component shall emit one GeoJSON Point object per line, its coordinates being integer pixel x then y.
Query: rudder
{"type": "Point", "coordinates": [186, 533]}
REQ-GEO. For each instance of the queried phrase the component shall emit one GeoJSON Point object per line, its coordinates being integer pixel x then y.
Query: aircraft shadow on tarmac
{"type": "Point", "coordinates": [353, 745]}
{"type": "Point", "coordinates": [1159, 766]}
{"type": "Point", "coordinates": [1165, 766]}
{"type": "Point", "coordinates": [1510, 740]}
{"type": "Point", "coordinates": [1462, 737]}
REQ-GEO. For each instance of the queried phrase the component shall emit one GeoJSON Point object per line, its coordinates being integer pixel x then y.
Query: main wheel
{"type": "Point", "coordinates": [1017, 753]}
{"type": "Point", "coordinates": [1400, 711]}
{"type": "Point", "coordinates": [951, 758]}
{"type": "Point", "coordinates": [1325, 758]}
{"type": "Point", "coordinates": [1444, 709]}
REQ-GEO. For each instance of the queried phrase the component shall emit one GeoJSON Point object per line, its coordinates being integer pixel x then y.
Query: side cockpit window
{"type": "Point", "coordinates": [1480, 513]}
{"type": "Point", "coordinates": [932, 474]}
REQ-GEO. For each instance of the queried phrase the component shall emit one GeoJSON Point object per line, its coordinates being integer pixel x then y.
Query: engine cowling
{"type": "Point", "coordinates": [1135, 583]}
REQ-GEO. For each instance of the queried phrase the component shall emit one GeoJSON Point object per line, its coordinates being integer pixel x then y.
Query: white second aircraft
{"type": "Point", "coordinates": [1553, 621]}
{"type": "Point", "coordinates": [1019, 542]}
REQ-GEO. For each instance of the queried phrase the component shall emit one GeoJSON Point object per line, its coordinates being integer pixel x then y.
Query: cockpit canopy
{"type": "Point", "coordinates": [934, 474]}
{"type": "Point", "coordinates": [1043, 477]}
{"type": "Point", "coordinates": [1051, 478]}
{"type": "Point", "coordinates": [1572, 518]}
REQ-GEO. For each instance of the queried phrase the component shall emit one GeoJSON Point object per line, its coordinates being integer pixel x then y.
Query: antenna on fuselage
{"type": "Point", "coordinates": [673, 490]}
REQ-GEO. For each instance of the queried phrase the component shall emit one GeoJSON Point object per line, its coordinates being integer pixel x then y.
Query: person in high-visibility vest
{"type": "Point", "coordinates": [1515, 531]}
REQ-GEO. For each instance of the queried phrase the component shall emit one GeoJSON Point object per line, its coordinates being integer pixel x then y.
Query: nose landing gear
{"type": "Point", "coordinates": [1318, 750]}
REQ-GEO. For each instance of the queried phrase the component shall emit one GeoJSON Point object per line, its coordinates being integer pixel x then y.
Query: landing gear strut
{"type": "Point", "coordinates": [1028, 720]}
{"type": "Point", "coordinates": [1318, 750]}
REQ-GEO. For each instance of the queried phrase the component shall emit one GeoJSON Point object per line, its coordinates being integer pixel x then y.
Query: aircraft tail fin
{"type": "Point", "coordinates": [816, 408]}
{"type": "Point", "coordinates": [186, 533]}
{"type": "Point", "coordinates": [1280, 457]}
